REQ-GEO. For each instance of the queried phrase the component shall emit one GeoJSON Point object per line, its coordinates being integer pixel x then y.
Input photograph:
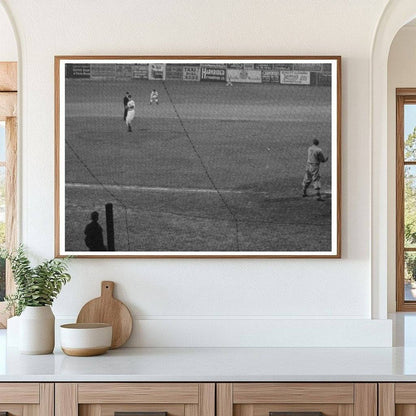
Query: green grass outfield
{"type": "Point", "coordinates": [233, 185]}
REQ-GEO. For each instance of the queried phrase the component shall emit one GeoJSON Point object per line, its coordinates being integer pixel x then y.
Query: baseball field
{"type": "Point", "coordinates": [210, 168]}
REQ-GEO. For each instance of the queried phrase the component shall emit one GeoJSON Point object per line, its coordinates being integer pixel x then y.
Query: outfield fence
{"type": "Point", "coordinates": [277, 73]}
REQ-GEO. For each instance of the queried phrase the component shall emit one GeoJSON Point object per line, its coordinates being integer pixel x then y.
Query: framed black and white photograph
{"type": "Point", "coordinates": [198, 156]}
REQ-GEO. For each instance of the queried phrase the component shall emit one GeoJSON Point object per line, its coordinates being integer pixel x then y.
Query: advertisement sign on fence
{"type": "Point", "coordinates": [295, 77]}
{"type": "Point", "coordinates": [174, 72]}
{"type": "Point", "coordinates": [78, 70]}
{"type": "Point", "coordinates": [140, 71]}
{"type": "Point", "coordinates": [123, 71]}
{"type": "Point", "coordinates": [308, 67]}
{"type": "Point", "coordinates": [244, 75]}
{"type": "Point", "coordinates": [157, 71]}
{"type": "Point", "coordinates": [213, 73]}
{"type": "Point", "coordinates": [103, 71]}
{"type": "Point", "coordinates": [324, 79]}
{"type": "Point", "coordinates": [270, 76]}
{"type": "Point", "coordinates": [191, 73]}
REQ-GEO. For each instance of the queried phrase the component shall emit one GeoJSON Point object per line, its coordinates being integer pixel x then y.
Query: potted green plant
{"type": "Point", "coordinates": [36, 289]}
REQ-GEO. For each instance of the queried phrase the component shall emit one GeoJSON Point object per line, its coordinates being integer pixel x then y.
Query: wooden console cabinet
{"type": "Point", "coordinates": [208, 399]}
{"type": "Point", "coordinates": [27, 399]}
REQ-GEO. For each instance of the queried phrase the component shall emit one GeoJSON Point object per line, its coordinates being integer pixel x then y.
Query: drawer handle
{"type": "Point", "coordinates": [296, 414]}
{"type": "Point", "coordinates": [139, 414]}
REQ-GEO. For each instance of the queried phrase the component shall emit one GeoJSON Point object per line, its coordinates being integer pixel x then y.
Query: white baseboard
{"type": "Point", "coordinates": [252, 332]}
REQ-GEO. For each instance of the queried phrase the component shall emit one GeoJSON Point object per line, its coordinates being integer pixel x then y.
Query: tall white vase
{"type": "Point", "coordinates": [37, 330]}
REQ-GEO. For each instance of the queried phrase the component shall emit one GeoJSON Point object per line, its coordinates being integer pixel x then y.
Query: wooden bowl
{"type": "Point", "coordinates": [84, 340]}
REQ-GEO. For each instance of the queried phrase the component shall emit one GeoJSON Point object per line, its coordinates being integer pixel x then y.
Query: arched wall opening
{"type": "Point", "coordinates": [401, 73]}
{"type": "Point", "coordinates": [396, 15]}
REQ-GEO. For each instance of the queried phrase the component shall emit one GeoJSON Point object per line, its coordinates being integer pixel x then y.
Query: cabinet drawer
{"type": "Point", "coordinates": [21, 399]}
{"type": "Point", "coordinates": [296, 399]}
{"type": "Point", "coordinates": [19, 393]}
{"type": "Point", "coordinates": [397, 399]}
{"type": "Point", "coordinates": [138, 393]}
{"type": "Point", "coordinates": [140, 409]}
{"type": "Point", "coordinates": [107, 399]}
{"type": "Point", "coordinates": [293, 393]}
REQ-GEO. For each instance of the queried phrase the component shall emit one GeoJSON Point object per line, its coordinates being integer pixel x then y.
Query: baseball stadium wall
{"type": "Point", "coordinates": [223, 302]}
{"type": "Point", "coordinates": [299, 74]}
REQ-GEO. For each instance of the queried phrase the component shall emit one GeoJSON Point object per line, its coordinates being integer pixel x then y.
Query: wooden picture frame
{"type": "Point", "coordinates": [214, 165]}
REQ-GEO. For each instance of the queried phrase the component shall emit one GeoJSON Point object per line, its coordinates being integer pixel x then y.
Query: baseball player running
{"type": "Point", "coordinates": [312, 175]}
{"type": "Point", "coordinates": [154, 97]}
{"type": "Point", "coordinates": [130, 113]}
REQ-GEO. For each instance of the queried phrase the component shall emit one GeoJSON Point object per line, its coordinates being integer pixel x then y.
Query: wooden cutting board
{"type": "Point", "coordinates": [107, 309]}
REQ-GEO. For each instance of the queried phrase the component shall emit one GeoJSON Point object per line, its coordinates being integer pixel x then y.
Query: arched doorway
{"type": "Point", "coordinates": [396, 14]}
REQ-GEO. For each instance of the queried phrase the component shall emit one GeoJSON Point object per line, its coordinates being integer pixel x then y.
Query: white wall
{"type": "Point", "coordinates": [179, 302]}
{"type": "Point", "coordinates": [401, 74]}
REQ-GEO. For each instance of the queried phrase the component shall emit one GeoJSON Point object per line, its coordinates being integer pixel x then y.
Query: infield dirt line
{"type": "Point", "coordinates": [155, 188]}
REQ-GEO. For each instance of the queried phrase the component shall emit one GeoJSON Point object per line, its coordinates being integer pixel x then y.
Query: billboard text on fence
{"type": "Point", "coordinates": [191, 73]}
{"type": "Point", "coordinates": [157, 71]}
{"type": "Point", "coordinates": [213, 73]}
{"type": "Point", "coordinates": [295, 77]}
{"type": "Point", "coordinates": [244, 75]}
{"type": "Point", "coordinates": [140, 71]}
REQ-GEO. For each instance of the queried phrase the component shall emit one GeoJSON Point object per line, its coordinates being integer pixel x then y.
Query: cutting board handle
{"type": "Point", "coordinates": [107, 289]}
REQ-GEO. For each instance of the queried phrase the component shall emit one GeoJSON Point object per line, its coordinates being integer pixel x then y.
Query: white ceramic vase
{"type": "Point", "coordinates": [37, 330]}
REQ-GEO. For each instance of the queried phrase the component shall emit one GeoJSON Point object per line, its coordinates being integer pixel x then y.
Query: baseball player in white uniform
{"type": "Point", "coordinates": [154, 97]}
{"type": "Point", "coordinates": [229, 83]}
{"type": "Point", "coordinates": [312, 175]}
{"type": "Point", "coordinates": [130, 113]}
